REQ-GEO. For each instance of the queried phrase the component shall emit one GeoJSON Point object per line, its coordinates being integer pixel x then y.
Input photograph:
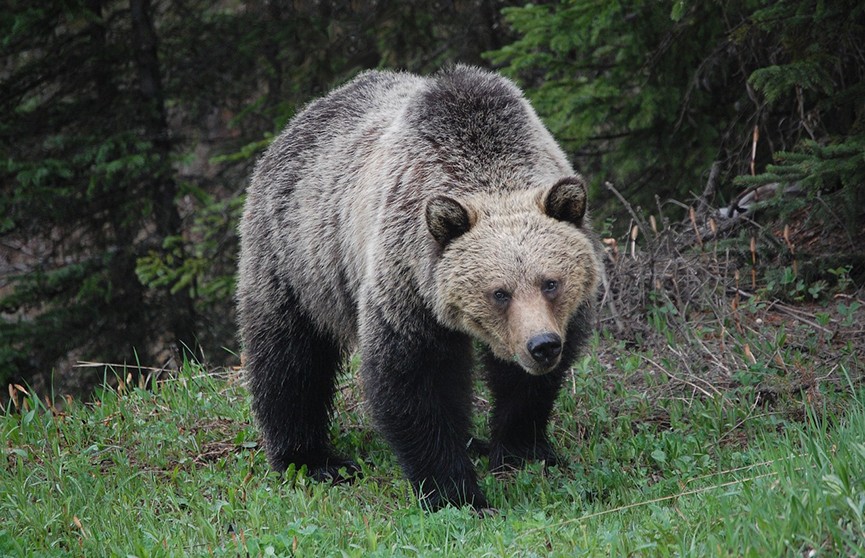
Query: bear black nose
{"type": "Point", "coordinates": [545, 347]}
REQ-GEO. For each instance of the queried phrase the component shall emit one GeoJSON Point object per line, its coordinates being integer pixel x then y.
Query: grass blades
{"type": "Point", "coordinates": [174, 470]}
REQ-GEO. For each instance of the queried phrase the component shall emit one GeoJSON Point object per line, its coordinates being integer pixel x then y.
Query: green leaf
{"type": "Point", "coordinates": [678, 10]}
{"type": "Point", "coordinates": [659, 455]}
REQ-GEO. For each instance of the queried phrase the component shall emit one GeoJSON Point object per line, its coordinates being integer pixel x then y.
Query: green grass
{"type": "Point", "coordinates": [175, 471]}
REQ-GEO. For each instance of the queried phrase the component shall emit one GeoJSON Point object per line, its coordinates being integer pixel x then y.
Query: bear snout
{"type": "Point", "coordinates": [545, 348]}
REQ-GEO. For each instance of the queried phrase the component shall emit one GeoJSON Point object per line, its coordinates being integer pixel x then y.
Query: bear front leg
{"type": "Point", "coordinates": [291, 368]}
{"type": "Point", "coordinates": [522, 405]}
{"type": "Point", "coordinates": [418, 388]}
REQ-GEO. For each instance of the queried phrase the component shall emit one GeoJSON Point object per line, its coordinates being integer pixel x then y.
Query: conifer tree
{"type": "Point", "coordinates": [129, 129]}
{"type": "Point", "coordinates": [86, 185]}
{"type": "Point", "coordinates": [650, 94]}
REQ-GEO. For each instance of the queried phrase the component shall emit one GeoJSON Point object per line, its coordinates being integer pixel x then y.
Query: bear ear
{"type": "Point", "coordinates": [446, 219]}
{"type": "Point", "coordinates": [566, 200]}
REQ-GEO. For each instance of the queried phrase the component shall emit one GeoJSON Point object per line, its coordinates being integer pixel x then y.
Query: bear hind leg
{"type": "Point", "coordinates": [291, 369]}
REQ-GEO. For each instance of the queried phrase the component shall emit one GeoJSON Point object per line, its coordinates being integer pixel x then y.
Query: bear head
{"type": "Point", "coordinates": [514, 267]}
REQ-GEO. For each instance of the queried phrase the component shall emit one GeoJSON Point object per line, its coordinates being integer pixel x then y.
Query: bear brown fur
{"type": "Point", "coordinates": [406, 216]}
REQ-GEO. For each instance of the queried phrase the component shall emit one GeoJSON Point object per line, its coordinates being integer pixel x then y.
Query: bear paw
{"type": "Point", "coordinates": [334, 471]}
{"type": "Point", "coordinates": [319, 467]}
{"type": "Point", "coordinates": [456, 494]}
{"type": "Point", "coordinates": [510, 456]}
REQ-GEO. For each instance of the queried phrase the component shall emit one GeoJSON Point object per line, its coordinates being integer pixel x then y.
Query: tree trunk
{"type": "Point", "coordinates": [179, 308]}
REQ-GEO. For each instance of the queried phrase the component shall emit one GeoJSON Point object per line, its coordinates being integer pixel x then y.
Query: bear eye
{"type": "Point", "coordinates": [550, 286]}
{"type": "Point", "coordinates": [501, 296]}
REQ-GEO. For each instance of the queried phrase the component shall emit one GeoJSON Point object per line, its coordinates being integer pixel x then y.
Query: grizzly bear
{"type": "Point", "coordinates": [407, 216]}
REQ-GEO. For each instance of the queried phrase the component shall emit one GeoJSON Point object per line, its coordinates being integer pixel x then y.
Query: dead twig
{"type": "Point", "coordinates": [792, 312]}
{"type": "Point", "coordinates": [676, 378]}
{"type": "Point", "coordinates": [608, 300]}
{"type": "Point", "coordinates": [629, 208]}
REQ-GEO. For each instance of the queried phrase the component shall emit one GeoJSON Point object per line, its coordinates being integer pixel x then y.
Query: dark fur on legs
{"type": "Point", "coordinates": [291, 369]}
{"type": "Point", "coordinates": [521, 410]}
{"type": "Point", "coordinates": [522, 403]}
{"type": "Point", "coordinates": [420, 398]}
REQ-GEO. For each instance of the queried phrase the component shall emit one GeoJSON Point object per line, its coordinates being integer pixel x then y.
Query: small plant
{"type": "Point", "coordinates": [786, 284]}
{"type": "Point", "coordinates": [848, 312]}
{"type": "Point", "coordinates": [842, 277]}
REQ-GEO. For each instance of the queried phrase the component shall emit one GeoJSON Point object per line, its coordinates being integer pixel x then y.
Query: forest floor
{"type": "Point", "coordinates": [712, 415]}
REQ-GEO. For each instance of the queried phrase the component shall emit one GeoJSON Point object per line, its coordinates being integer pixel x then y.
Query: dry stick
{"type": "Point", "coordinates": [755, 139]}
{"type": "Point", "coordinates": [684, 360]}
{"type": "Point", "coordinates": [693, 217]}
{"type": "Point", "coordinates": [743, 467]}
{"type": "Point", "coordinates": [713, 226]}
{"type": "Point", "coordinates": [651, 242]}
{"type": "Point", "coordinates": [709, 191]}
{"type": "Point", "coordinates": [709, 232]}
{"type": "Point", "coordinates": [87, 364]}
{"type": "Point", "coordinates": [792, 248]}
{"type": "Point", "coordinates": [608, 300]}
{"type": "Point", "coordinates": [676, 378]}
{"type": "Point", "coordinates": [660, 213]}
{"type": "Point", "coordinates": [637, 219]}
{"type": "Point", "coordinates": [736, 302]}
{"type": "Point", "coordinates": [793, 313]}
{"type": "Point", "coordinates": [225, 373]}
{"type": "Point", "coordinates": [741, 422]}
{"type": "Point", "coordinates": [753, 262]}
{"type": "Point", "coordinates": [712, 355]}
{"type": "Point", "coordinates": [653, 501]}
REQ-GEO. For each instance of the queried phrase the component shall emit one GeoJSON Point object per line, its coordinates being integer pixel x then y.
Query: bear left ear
{"type": "Point", "coordinates": [446, 219]}
{"type": "Point", "coordinates": [566, 200]}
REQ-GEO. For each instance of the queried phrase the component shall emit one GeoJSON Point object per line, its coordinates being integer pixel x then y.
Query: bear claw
{"type": "Point", "coordinates": [340, 471]}
{"type": "Point", "coordinates": [330, 469]}
{"type": "Point", "coordinates": [437, 499]}
{"type": "Point", "coordinates": [507, 458]}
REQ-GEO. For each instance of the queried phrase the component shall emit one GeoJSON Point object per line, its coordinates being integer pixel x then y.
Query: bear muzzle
{"type": "Point", "coordinates": [545, 348]}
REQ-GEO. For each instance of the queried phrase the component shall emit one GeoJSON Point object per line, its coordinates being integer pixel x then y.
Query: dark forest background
{"type": "Point", "coordinates": [128, 130]}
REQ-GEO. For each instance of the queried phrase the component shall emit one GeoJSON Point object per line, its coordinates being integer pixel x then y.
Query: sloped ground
{"type": "Point", "coordinates": [772, 313]}
{"type": "Point", "coordinates": [712, 415]}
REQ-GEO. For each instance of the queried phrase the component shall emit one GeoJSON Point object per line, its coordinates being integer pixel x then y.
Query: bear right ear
{"type": "Point", "coordinates": [446, 219]}
{"type": "Point", "coordinates": [566, 200]}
